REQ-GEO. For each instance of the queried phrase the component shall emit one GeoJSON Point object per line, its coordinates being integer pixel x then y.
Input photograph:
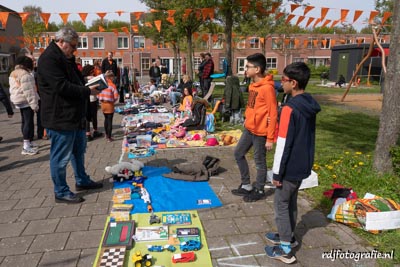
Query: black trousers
{"type": "Point", "coordinates": [108, 121]}
{"type": "Point", "coordinates": [27, 125]}
{"type": "Point", "coordinates": [93, 116]}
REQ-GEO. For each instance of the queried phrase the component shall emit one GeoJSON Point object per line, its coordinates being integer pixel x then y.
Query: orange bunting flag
{"type": "Point", "coordinates": [158, 25]}
{"type": "Point", "coordinates": [135, 28]}
{"type": "Point", "coordinates": [64, 17]}
{"type": "Point", "coordinates": [115, 31]}
{"type": "Point", "coordinates": [316, 22]}
{"type": "Point", "coordinates": [309, 21]}
{"type": "Point", "coordinates": [4, 18]}
{"type": "Point", "coordinates": [333, 42]}
{"type": "Point", "coordinates": [45, 17]}
{"type": "Point", "coordinates": [83, 17]}
{"type": "Point", "coordinates": [286, 41]}
{"type": "Point", "coordinates": [245, 9]}
{"type": "Point", "coordinates": [195, 35]}
{"type": "Point", "coordinates": [204, 37]}
{"type": "Point", "coordinates": [24, 17]}
{"type": "Point", "coordinates": [100, 54]}
{"type": "Point", "coordinates": [343, 14]}
{"type": "Point", "coordinates": [31, 48]}
{"type": "Point", "coordinates": [187, 13]}
{"type": "Point", "coordinates": [334, 23]}
{"type": "Point", "coordinates": [324, 41]}
{"type": "Point", "coordinates": [245, 2]}
{"type": "Point", "coordinates": [296, 42]}
{"type": "Point", "coordinates": [138, 14]}
{"type": "Point", "coordinates": [307, 9]}
{"type": "Point", "coordinates": [215, 38]}
{"type": "Point", "coordinates": [315, 43]}
{"type": "Point", "coordinates": [41, 50]}
{"type": "Point", "coordinates": [293, 7]}
{"type": "Point", "coordinates": [148, 24]}
{"type": "Point", "coordinates": [101, 15]}
{"type": "Point", "coordinates": [207, 12]}
{"type": "Point", "coordinates": [372, 15]}
{"type": "Point", "coordinates": [299, 20]}
{"type": "Point", "coordinates": [357, 15]}
{"type": "Point", "coordinates": [289, 18]}
{"type": "Point", "coordinates": [84, 53]}
{"type": "Point", "coordinates": [171, 20]}
{"type": "Point", "coordinates": [386, 15]}
{"type": "Point", "coordinates": [324, 11]}
{"type": "Point", "coordinates": [305, 43]}
{"type": "Point", "coordinates": [101, 29]}
{"type": "Point", "coordinates": [262, 40]}
{"type": "Point", "coordinates": [280, 14]}
{"type": "Point", "coordinates": [171, 13]}
{"type": "Point", "coordinates": [119, 12]}
{"type": "Point", "coordinates": [125, 30]}
{"type": "Point", "coordinates": [326, 22]}
{"type": "Point", "coordinates": [275, 5]}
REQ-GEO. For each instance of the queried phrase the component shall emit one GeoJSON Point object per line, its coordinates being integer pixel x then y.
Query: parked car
{"type": "Point", "coordinates": [190, 245]}
{"type": "Point", "coordinates": [184, 257]}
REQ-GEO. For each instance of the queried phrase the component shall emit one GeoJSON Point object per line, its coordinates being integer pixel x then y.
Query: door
{"type": "Point", "coordinates": [241, 63]}
{"type": "Point", "coordinates": [343, 65]}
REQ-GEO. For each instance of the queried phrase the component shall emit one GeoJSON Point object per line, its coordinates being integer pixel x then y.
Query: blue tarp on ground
{"type": "Point", "coordinates": [171, 195]}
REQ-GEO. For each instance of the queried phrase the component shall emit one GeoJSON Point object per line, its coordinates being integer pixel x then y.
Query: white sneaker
{"type": "Point", "coordinates": [34, 145]}
{"type": "Point", "coordinates": [29, 151]}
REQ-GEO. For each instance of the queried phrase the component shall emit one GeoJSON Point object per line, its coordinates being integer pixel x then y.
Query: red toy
{"type": "Point", "coordinates": [184, 257]}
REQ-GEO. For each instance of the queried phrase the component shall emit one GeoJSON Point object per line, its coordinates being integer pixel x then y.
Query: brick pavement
{"type": "Point", "coordinates": [35, 231]}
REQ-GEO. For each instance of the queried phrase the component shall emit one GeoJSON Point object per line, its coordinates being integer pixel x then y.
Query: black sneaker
{"type": "Point", "coordinates": [256, 194]}
{"type": "Point", "coordinates": [97, 134]}
{"type": "Point", "coordinates": [276, 252]}
{"type": "Point", "coordinates": [274, 239]}
{"type": "Point", "coordinates": [70, 198]}
{"type": "Point", "coordinates": [241, 191]}
{"type": "Point", "coordinates": [89, 138]}
{"type": "Point", "coordinates": [91, 185]}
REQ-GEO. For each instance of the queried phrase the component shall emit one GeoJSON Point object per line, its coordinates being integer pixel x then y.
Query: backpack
{"type": "Point", "coordinates": [197, 120]}
{"type": "Point", "coordinates": [210, 123]}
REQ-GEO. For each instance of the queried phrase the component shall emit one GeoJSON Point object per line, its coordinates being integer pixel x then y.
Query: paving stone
{"type": "Point", "coordinates": [15, 245]}
{"type": "Point", "coordinates": [34, 214]}
{"type": "Point", "coordinates": [12, 229]}
{"type": "Point", "coordinates": [229, 211]}
{"type": "Point", "coordinates": [319, 237]}
{"type": "Point", "coordinates": [219, 247]}
{"type": "Point", "coordinates": [7, 204]}
{"type": "Point", "coordinates": [314, 219]}
{"type": "Point", "coordinates": [8, 216]}
{"type": "Point", "coordinates": [73, 224]}
{"type": "Point", "coordinates": [25, 193]}
{"type": "Point", "coordinates": [246, 244]}
{"type": "Point", "coordinates": [6, 194]}
{"type": "Point", "coordinates": [206, 214]}
{"type": "Point", "coordinates": [28, 203]}
{"type": "Point", "coordinates": [247, 260]}
{"type": "Point", "coordinates": [45, 192]}
{"type": "Point", "coordinates": [264, 261]}
{"type": "Point", "coordinates": [87, 257]}
{"type": "Point", "coordinates": [66, 258]}
{"type": "Point", "coordinates": [49, 242]}
{"type": "Point", "coordinates": [98, 222]}
{"type": "Point", "coordinates": [252, 224]}
{"type": "Point", "coordinates": [84, 239]}
{"type": "Point", "coordinates": [64, 211]}
{"type": "Point", "coordinates": [22, 260]}
{"type": "Point", "coordinates": [44, 184]}
{"type": "Point", "coordinates": [220, 227]}
{"type": "Point", "coordinates": [353, 250]}
{"type": "Point", "coordinates": [41, 227]}
{"type": "Point", "coordinates": [93, 209]}
{"type": "Point", "coordinates": [25, 184]}
{"type": "Point", "coordinates": [257, 208]}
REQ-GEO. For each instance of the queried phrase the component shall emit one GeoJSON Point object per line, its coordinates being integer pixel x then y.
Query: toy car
{"type": "Point", "coordinates": [184, 257]}
{"type": "Point", "coordinates": [154, 219]}
{"type": "Point", "coordinates": [170, 248]}
{"type": "Point", "coordinates": [141, 261]}
{"type": "Point", "coordinates": [154, 248]}
{"type": "Point", "coordinates": [190, 245]}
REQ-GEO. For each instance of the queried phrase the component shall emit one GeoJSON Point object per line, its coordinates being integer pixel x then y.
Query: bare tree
{"type": "Point", "coordinates": [389, 126]}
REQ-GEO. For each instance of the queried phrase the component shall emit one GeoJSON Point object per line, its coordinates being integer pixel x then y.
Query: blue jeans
{"type": "Point", "coordinates": [66, 146]}
{"type": "Point", "coordinates": [175, 96]}
{"type": "Point", "coordinates": [246, 141]}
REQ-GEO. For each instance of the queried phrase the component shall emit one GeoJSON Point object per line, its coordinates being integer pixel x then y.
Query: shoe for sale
{"type": "Point", "coordinates": [70, 198]}
{"type": "Point", "coordinates": [277, 253]}
{"type": "Point", "coordinates": [256, 194]}
{"type": "Point", "coordinates": [29, 151]}
{"type": "Point", "coordinates": [274, 239]}
{"type": "Point", "coordinates": [241, 191]}
{"type": "Point", "coordinates": [91, 185]}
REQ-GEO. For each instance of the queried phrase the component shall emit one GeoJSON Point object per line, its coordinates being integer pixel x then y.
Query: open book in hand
{"type": "Point", "coordinates": [100, 80]}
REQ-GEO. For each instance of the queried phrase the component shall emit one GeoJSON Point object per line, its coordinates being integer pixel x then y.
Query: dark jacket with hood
{"type": "Point", "coordinates": [63, 95]}
{"type": "Point", "coordinates": [294, 155]}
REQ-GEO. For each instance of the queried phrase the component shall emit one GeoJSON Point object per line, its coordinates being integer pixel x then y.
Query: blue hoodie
{"type": "Point", "coordinates": [294, 155]}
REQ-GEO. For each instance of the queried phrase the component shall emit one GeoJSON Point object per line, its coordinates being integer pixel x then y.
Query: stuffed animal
{"type": "Point", "coordinates": [126, 170]}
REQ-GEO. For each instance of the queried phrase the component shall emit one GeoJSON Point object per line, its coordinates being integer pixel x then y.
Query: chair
{"type": "Point", "coordinates": [210, 91]}
{"type": "Point", "coordinates": [224, 73]}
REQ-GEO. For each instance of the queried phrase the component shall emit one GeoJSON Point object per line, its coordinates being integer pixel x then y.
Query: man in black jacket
{"type": "Point", "coordinates": [63, 112]}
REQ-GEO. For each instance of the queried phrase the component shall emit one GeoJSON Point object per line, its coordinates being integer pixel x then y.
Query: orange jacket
{"type": "Point", "coordinates": [261, 110]}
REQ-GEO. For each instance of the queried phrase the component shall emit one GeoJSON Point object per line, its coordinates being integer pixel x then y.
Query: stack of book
{"type": "Point", "coordinates": [122, 194]}
{"type": "Point", "coordinates": [121, 212]}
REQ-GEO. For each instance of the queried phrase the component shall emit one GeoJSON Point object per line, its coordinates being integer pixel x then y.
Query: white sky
{"type": "Point", "coordinates": [111, 6]}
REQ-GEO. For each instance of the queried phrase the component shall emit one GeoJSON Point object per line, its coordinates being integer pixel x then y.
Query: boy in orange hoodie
{"type": "Point", "coordinates": [261, 117]}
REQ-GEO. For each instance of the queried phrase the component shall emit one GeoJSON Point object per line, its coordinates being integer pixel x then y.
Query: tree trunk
{"type": "Point", "coordinates": [228, 37]}
{"type": "Point", "coordinates": [189, 58]}
{"type": "Point", "coordinates": [389, 125]}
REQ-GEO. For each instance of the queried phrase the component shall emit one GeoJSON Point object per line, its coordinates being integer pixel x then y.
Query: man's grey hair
{"type": "Point", "coordinates": [67, 34]}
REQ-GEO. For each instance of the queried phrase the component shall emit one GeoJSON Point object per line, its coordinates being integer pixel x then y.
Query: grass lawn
{"type": "Point", "coordinates": [345, 144]}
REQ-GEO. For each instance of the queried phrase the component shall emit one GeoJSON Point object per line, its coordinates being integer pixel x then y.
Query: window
{"type": "Point", "coordinates": [360, 40]}
{"type": "Point", "coordinates": [381, 40]}
{"type": "Point", "coordinates": [196, 62]}
{"type": "Point", "coordinates": [219, 42]}
{"type": "Point", "coordinates": [254, 42]}
{"type": "Point", "coordinates": [312, 43]}
{"type": "Point", "coordinates": [319, 61]}
{"type": "Point", "coordinates": [162, 45]}
{"type": "Point", "coordinates": [241, 44]}
{"type": "Point", "coordinates": [123, 42]}
{"type": "Point", "coordinates": [83, 42]}
{"type": "Point", "coordinates": [138, 42]}
{"type": "Point", "coordinates": [348, 41]}
{"type": "Point", "coordinates": [326, 43]}
{"type": "Point", "coordinates": [276, 43]}
{"type": "Point", "coordinates": [145, 63]}
{"type": "Point", "coordinates": [203, 45]}
{"type": "Point", "coordinates": [221, 64]}
{"type": "Point", "coordinates": [298, 59]}
{"type": "Point", "coordinates": [290, 44]}
{"type": "Point", "coordinates": [271, 63]}
{"type": "Point", "coordinates": [4, 63]}
{"type": "Point", "coordinates": [98, 42]}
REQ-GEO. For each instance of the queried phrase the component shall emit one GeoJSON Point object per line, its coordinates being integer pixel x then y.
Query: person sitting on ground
{"type": "Point", "coordinates": [107, 99]}
{"type": "Point", "coordinates": [186, 104]}
{"type": "Point", "coordinates": [341, 81]}
{"type": "Point", "coordinates": [149, 88]}
{"type": "Point", "coordinates": [177, 94]}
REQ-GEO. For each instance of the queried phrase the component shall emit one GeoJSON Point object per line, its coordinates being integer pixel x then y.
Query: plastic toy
{"type": "Point", "coordinates": [141, 261]}
{"type": "Point", "coordinates": [190, 245]}
{"type": "Point", "coordinates": [124, 170]}
{"type": "Point", "coordinates": [154, 248]}
{"type": "Point", "coordinates": [170, 248]}
{"type": "Point", "coordinates": [154, 219]}
{"type": "Point", "coordinates": [184, 257]}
